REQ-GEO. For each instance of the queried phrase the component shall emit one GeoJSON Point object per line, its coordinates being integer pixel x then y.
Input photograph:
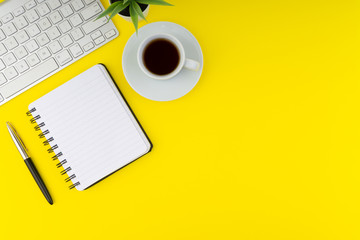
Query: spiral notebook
{"type": "Point", "coordinates": [89, 128]}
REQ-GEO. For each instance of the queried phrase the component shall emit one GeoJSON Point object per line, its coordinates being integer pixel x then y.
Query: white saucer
{"type": "Point", "coordinates": [162, 90]}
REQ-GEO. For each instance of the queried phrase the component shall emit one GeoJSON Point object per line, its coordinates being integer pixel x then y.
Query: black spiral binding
{"type": "Point", "coordinates": [53, 149]}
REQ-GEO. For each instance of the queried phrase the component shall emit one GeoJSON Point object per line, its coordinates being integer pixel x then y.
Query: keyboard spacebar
{"type": "Point", "coordinates": [29, 78]}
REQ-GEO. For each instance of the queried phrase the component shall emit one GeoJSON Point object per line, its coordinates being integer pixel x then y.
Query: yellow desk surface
{"type": "Point", "coordinates": [266, 146]}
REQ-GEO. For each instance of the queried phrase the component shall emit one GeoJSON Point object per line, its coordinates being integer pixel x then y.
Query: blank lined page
{"type": "Point", "coordinates": [92, 126]}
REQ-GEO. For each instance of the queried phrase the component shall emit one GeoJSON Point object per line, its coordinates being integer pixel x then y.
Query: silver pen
{"type": "Point", "coordinates": [29, 163]}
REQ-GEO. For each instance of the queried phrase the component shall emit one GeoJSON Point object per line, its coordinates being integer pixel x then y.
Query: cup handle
{"type": "Point", "coordinates": [192, 64]}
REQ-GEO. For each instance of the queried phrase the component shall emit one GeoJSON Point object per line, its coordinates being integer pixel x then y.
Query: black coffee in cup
{"type": "Point", "coordinates": [161, 56]}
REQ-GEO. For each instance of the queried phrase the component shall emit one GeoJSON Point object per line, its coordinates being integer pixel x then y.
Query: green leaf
{"type": "Point", "coordinates": [134, 17]}
{"type": "Point", "coordinates": [154, 2]}
{"type": "Point", "coordinates": [125, 1]}
{"type": "Point", "coordinates": [138, 10]}
{"type": "Point", "coordinates": [118, 9]}
{"type": "Point", "coordinates": [108, 10]}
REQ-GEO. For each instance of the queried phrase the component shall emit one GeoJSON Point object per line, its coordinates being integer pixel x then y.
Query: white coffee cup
{"type": "Point", "coordinates": [183, 61]}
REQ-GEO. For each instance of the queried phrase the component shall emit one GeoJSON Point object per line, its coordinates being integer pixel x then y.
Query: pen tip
{"type": "Point", "coordinates": [8, 124]}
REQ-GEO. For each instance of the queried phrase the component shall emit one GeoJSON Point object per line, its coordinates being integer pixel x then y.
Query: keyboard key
{"type": "Point", "coordinates": [43, 39]}
{"type": "Point", "coordinates": [65, 26]}
{"type": "Point", "coordinates": [54, 4]}
{"type": "Point", "coordinates": [93, 25]}
{"type": "Point", "coordinates": [22, 37]}
{"type": "Point", "coordinates": [77, 5]}
{"type": "Point", "coordinates": [76, 20]}
{"type": "Point", "coordinates": [44, 53]}
{"type": "Point", "coordinates": [10, 43]}
{"type": "Point", "coordinates": [65, 1]}
{"type": "Point", "coordinates": [44, 23]}
{"type": "Point", "coordinates": [55, 17]}
{"type": "Point", "coordinates": [99, 40]}
{"type": "Point", "coordinates": [17, 12]}
{"type": "Point", "coordinates": [32, 45]}
{"type": "Point", "coordinates": [9, 59]}
{"type": "Point", "coordinates": [33, 30]}
{"type": "Point", "coordinates": [30, 4]}
{"type": "Point", "coordinates": [88, 46]}
{"type": "Point", "coordinates": [33, 60]}
{"type": "Point", "coordinates": [2, 65]}
{"type": "Point", "coordinates": [2, 35]}
{"type": "Point", "coordinates": [22, 66]}
{"type": "Point", "coordinates": [20, 22]}
{"type": "Point", "coordinates": [10, 73]}
{"type": "Point", "coordinates": [88, 1]}
{"type": "Point", "coordinates": [2, 79]}
{"type": "Point", "coordinates": [43, 9]}
{"type": "Point", "coordinates": [3, 49]}
{"type": "Point", "coordinates": [32, 15]}
{"type": "Point", "coordinates": [77, 34]}
{"type": "Point", "coordinates": [76, 50]}
{"type": "Point", "coordinates": [66, 11]}
{"type": "Point", "coordinates": [9, 29]}
{"type": "Point", "coordinates": [110, 33]}
{"type": "Point", "coordinates": [29, 77]}
{"type": "Point", "coordinates": [54, 33]}
{"type": "Point", "coordinates": [66, 40]}
{"type": "Point", "coordinates": [20, 52]}
{"type": "Point", "coordinates": [7, 18]}
{"type": "Point", "coordinates": [95, 35]}
{"type": "Point", "coordinates": [91, 11]}
{"type": "Point", "coordinates": [55, 47]}
{"type": "Point", "coordinates": [63, 58]}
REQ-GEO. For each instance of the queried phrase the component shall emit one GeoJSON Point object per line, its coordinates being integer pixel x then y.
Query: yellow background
{"type": "Point", "coordinates": [266, 146]}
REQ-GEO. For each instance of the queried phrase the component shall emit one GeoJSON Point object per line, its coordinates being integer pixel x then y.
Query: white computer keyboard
{"type": "Point", "coordinates": [40, 37]}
